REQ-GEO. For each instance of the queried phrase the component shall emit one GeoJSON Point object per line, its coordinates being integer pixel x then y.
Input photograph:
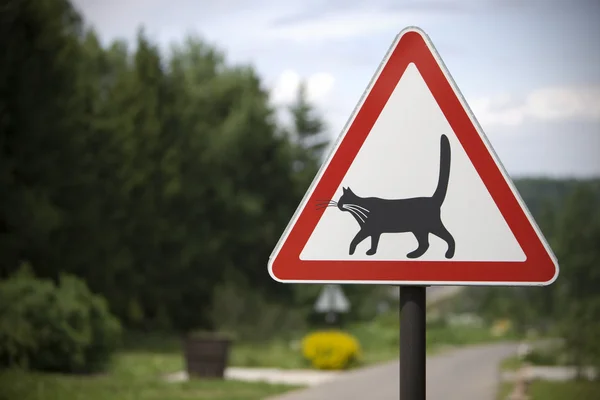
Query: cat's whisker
{"type": "Point", "coordinates": [331, 202]}
{"type": "Point", "coordinates": [320, 207]}
{"type": "Point", "coordinates": [357, 215]}
{"type": "Point", "coordinates": [354, 212]}
{"type": "Point", "coordinates": [357, 211]}
{"type": "Point", "coordinates": [360, 207]}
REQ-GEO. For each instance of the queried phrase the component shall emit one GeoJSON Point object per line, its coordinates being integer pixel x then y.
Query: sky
{"type": "Point", "coordinates": [529, 69]}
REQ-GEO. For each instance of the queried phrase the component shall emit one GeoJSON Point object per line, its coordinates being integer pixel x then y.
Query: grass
{"type": "Point", "coordinates": [134, 375]}
{"type": "Point", "coordinates": [504, 390]}
{"type": "Point", "coordinates": [546, 390]}
{"type": "Point", "coordinates": [511, 363]}
{"type": "Point", "coordinates": [275, 353]}
{"type": "Point", "coordinates": [17, 385]}
{"type": "Point", "coordinates": [379, 338]}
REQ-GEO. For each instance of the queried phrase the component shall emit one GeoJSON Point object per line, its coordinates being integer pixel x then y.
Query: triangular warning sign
{"type": "Point", "coordinates": [413, 193]}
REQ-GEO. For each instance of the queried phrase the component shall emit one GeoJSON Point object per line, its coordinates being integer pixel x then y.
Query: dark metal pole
{"type": "Point", "coordinates": [412, 342]}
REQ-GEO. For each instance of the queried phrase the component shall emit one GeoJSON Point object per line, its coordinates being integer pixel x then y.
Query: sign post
{"type": "Point", "coordinates": [412, 342]}
{"type": "Point", "coordinates": [413, 194]}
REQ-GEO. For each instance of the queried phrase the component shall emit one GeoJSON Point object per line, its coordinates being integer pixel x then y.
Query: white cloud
{"type": "Point", "coordinates": [564, 103]}
{"type": "Point", "coordinates": [318, 87]}
{"type": "Point", "coordinates": [545, 104]}
{"type": "Point", "coordinates": [285, 88]}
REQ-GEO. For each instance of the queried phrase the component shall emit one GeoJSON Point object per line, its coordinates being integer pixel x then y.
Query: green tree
{"type": "Point", "coordinates": [309, 138]}
{"type": "Point", "coordinates": [308, 126]}
{"type": "Point", "coordinates": [577, 247]}
{"type": "Point", "coordinates": [154, 177]}
{"type": "Point", "coordinates": [39, 113]}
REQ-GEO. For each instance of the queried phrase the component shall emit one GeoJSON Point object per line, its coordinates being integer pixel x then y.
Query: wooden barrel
{"type": "Point", "coordinates": [206, 357]}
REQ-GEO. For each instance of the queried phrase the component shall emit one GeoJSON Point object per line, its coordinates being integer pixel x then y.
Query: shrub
{"type": "Point", "coordinates": [243, 311]}
{"type": "Point", "coordinates": [57, 328]}
{"type": "Point", "coordinates": [331, 349]}
{"type": "Point", "coordinates": [551, 355]}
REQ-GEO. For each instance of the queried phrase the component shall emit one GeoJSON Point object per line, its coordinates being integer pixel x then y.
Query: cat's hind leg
{"type": "Point", "coordinates": [443, 234]}
{"type": "Point", "coordinates": [374, 244]}
{"type": "Point", "coordinates": [360, 236]}
{"type": "Point", "coordinates": [423, 239]}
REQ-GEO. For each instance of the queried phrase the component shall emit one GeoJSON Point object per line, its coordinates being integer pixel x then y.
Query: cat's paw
{"type": "Point", "coordinates": [414, 254]}
{"type": "Point", "coordinates": [371, 252]}
{"type": "Point", "coordinates": [351, 252]}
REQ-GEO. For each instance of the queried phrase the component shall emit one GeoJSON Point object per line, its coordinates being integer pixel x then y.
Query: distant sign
{"type": "Point", "coordinates": [413, 193]}
{"type": "Point", "coordinates": [332, 299]}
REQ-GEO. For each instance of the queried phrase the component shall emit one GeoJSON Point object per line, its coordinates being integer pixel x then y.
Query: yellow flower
{"type": "Point", "coordinates": [330, 349]}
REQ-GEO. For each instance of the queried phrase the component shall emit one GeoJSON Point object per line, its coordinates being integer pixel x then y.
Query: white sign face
{"type": "Point", "coordinates": [400, 159]}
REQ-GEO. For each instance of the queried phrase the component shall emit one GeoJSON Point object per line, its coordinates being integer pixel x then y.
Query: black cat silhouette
{"type": "Point", "coordinates": [419, 215]}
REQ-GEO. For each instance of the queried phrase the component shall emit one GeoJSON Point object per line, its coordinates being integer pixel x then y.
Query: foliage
{"type": "Point", "coordinates": [50, 327]}
{"type": "Point", "coordinates": [545, 357]}
{"type": "Point", "coordinates": [153, 175]}
{"type": "Point", "coordinates": [578, 300]}
{"type": "Point", "coordinates": [553, 355]}
{"type": "Point", "coordinates": [307, 132]}
{"type": "Point", "coordinates": [543, 195]}
{"type": "Point", "coordinates": [239, 309]}
{"type": "Point", "coordinates": [331, 349]}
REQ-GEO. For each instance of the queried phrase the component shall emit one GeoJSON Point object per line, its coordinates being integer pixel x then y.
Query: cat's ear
{"type": "Point", "coordinates": [344, 189]}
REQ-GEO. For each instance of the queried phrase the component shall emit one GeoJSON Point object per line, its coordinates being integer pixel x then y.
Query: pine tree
{"type": "Point", "coordinates": [308, 127]}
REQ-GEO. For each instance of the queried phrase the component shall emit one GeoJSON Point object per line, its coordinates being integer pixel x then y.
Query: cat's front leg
{"type": "Point", "coordinates": [360, 236]}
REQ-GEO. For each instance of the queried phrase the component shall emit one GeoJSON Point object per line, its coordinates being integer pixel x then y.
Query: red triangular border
{"type": "Point", "coordinates": [540, 267]}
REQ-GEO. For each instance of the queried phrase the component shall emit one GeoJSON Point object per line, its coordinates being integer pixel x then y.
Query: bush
{"type": "Point", "coordinates": [549, 355]}
{"type": "Point", "coordinates": [55, 328]}
{"type": "Point", "coordinates": [331, 349]}
{"type": "Point", "coordinates": [244, 312]}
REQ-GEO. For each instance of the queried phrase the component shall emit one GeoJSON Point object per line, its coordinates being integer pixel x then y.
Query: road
{"type": "Point", "coordinates": [468, 373]}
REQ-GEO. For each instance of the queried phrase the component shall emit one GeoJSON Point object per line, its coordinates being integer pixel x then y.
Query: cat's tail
{"type": "Point", "coordinates": [440, 192]}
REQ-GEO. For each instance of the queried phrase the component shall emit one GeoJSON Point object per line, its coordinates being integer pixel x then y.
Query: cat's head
{"type": "Point", "coordinates": [347, 197]}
